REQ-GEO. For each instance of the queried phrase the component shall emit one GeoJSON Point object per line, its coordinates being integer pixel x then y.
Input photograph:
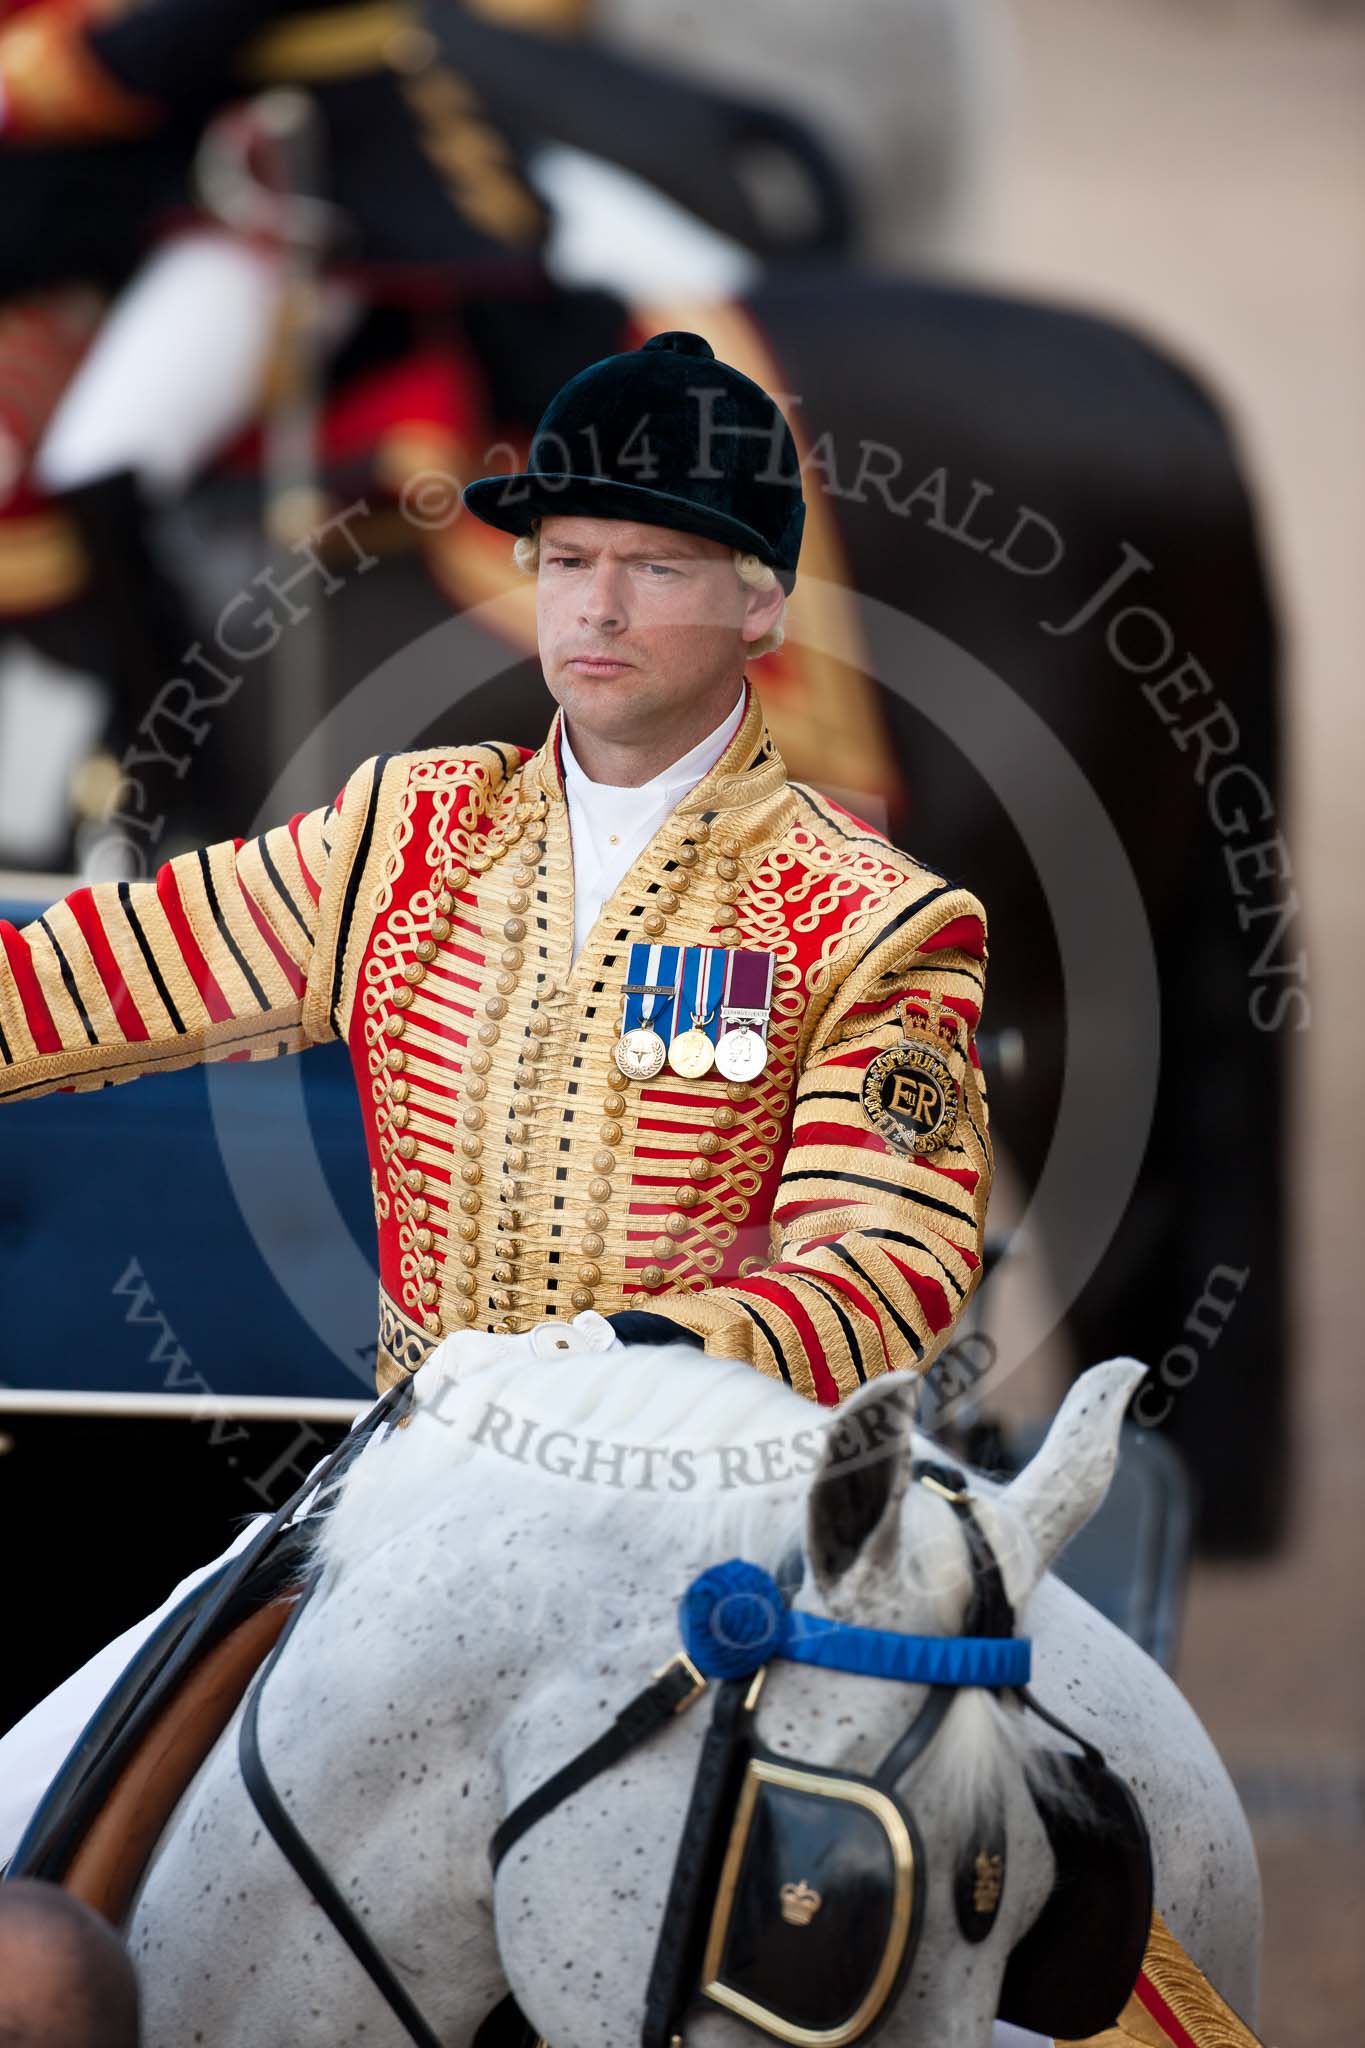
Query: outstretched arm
{"type": "Point", "coordinates": [209, 961]}
{"type": "Point", "coordinates": [878, 1246]}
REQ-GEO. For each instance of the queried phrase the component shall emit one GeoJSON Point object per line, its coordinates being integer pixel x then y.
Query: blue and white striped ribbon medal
{"type": "Point", "coordinates": [692, 1051]}
{"type": "Point", "coordinates": [651, 990]}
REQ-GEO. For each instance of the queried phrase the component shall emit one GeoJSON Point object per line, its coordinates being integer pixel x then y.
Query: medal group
{"type": "Point", "coordinates": [693, 1008]}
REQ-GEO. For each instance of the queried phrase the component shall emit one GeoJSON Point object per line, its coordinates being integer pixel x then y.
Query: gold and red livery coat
{"type": "Point", "coordinates": [427, 919]}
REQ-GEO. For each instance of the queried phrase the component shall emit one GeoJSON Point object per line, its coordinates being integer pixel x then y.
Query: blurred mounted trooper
{"type": "Point", "coordinates": [419, 198]}
{"type": "Point", "coordinates": [649, 1041]}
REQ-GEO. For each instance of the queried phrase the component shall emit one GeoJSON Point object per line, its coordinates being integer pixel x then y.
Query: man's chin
{"type": "Point", "coordinates": [582, 691]}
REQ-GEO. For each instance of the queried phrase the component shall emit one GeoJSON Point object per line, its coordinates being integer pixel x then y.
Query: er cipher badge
{"type": "Point", "coordinates": [910, 1095]}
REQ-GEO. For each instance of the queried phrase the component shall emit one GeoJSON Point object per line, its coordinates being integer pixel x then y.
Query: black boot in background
{"type": "Point", "coordinates": [140, 627]}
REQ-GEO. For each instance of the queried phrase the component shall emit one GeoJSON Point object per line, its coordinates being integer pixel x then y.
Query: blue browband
{"type": "Point", "coordinates": [734, 1618]}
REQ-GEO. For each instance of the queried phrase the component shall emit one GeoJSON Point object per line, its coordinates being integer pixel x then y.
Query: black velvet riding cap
{"type": "Point", "coordinates": [668, 436]}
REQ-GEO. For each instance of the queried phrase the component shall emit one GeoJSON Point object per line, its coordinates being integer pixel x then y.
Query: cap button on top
{"type": "Point", "coordinates": [681, 342]}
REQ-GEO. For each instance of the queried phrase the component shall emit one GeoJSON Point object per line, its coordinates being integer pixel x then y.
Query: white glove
{"type": "Point", "coordinates": [469, 1351]}
{"type": "Point", "coordinates": [587, 1332]}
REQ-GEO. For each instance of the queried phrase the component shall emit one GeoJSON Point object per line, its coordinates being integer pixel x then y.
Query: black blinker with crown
{"type": "Point", "coordinates": [668, 436]}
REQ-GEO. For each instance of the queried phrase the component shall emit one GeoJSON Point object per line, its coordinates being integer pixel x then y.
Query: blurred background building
{"type": "Point", "coordinates": [1199, 170]}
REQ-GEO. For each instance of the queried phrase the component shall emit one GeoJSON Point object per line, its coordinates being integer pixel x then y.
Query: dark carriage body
{"type": "Point", "coordinates": [1132, 462]}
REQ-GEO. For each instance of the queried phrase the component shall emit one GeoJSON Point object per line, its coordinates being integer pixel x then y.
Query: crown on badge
{"type": "Point", "coordinates": [800, 1903]}
{"type": "Point", "coordinates": [937, 1020]}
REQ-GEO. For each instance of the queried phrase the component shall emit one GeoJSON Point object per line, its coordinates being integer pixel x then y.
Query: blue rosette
{"type": "Point", "coordinates": [732, 1619]}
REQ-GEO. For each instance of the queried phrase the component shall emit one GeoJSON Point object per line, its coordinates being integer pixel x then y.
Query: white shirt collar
{"type": "Point", "coordinates": [610, 827]}
{"type": "Point", "coordinates": [670, 785]}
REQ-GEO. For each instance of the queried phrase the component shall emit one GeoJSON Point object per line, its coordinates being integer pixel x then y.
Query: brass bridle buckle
{"type": "Point", "coordinates": [684, 1662]}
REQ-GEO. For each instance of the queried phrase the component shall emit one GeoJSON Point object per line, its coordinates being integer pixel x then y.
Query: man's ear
{"type": "Point", "coordinates": [761, 611]}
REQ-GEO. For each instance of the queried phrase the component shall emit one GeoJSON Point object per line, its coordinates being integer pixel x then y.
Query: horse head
{"type": "Point", "coordinates": [840, 1844]}
{"type": "Point", "coordinates": [1003, 1817]}
{"type": "Point", "coordinates": [475, 1670]}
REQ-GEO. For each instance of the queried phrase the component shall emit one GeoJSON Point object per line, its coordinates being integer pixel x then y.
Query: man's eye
{"type": "Point", "coordinates": [659, 569]}
{"type": "Point", "coordinates": [565, 561]}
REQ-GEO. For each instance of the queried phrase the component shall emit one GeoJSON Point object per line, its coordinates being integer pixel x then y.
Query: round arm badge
{"type": "Point", "coordinates": [910, 1094]}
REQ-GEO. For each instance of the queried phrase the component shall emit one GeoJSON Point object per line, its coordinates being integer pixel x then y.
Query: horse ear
{"type": "Point", "coordinates": [856, 1494]}
{"type": "Point", "coordinates": [1068, 1476]}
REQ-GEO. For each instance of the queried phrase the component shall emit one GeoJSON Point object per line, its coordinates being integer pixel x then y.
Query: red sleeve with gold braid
{"type": "Point", "coordinates": [1173, 2005]}
{"type": "Point", "coordinates": [876, 1249]}
{"type": "Point", "coordinates": [53, 88]}
{"type": "Point", "coordinates": [209, 961]}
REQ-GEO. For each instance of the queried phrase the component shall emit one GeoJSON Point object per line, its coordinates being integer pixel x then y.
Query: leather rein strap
{"type": "Point", "coordinates": [86, 1780]}
{"type": "Point", "coordinates": [670, 1690]}
{"type": "Point", "coordinates": [297, 1853]}
{"type": "Point", "coordinates": [696, 1868]}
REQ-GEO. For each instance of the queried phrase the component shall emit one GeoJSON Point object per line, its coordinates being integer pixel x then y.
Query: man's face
{"type": "Point", "coordinates": [635, 622]}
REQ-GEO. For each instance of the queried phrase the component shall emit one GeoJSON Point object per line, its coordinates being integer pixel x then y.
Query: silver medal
{"type": "Point", "coordinates": [742, 1053]}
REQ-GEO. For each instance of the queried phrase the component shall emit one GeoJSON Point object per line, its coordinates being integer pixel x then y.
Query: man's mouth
{"type": "Point", "coordinates": [598, 664]}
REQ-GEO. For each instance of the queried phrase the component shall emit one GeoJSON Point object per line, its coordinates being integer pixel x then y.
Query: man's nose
{"type": "Point", "coordinates": [603, 601]}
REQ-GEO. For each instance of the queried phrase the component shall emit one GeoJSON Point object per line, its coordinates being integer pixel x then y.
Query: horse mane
{"type": "Point", "coordinates": [479, 1399]}
{"type": "Point", "coordinates": [669, 1399]}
